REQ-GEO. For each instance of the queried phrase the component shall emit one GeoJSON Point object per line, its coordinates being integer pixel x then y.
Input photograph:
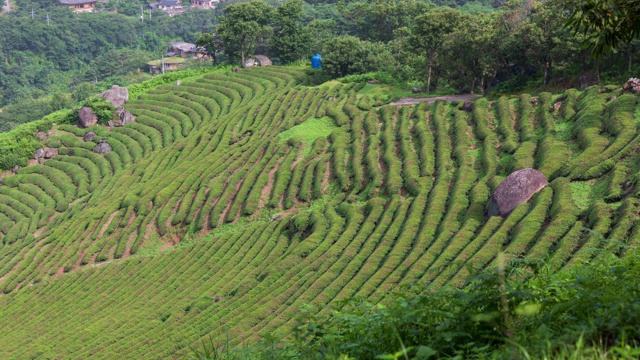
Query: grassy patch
{"type": "Point", "coordinates": [309, 130]}
{"type": "Point", "coordinates": [583, 193]}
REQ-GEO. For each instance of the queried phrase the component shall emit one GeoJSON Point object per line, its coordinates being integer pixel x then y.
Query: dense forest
{"type": "Point", "coordinates": [53, 58]}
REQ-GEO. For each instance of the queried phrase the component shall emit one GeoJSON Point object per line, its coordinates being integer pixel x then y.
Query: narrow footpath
{"type": "Point", "coordinates": [449, 98]}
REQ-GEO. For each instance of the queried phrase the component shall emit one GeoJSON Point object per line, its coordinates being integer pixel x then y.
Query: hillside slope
{"type": "Point", "coordinates": [300, 195]}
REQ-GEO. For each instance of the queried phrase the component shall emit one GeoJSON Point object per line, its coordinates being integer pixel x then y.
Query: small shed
{"type": "Point", "coordinates": [316, 61]}
{"type": "Point", "coordinates": [516, 189]}
{"type": "Point", "coordinates": [257, 60]}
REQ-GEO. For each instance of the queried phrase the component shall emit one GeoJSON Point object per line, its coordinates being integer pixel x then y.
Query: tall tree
{"type": "Point", "coordinates": [242, 26]}
{"type": "Point", "coordinates": [608, 24]}
{"type": "Point", "coordinates": [211, 45]}
{"type": "Point", "coordinates": [429, 32]}
{"type": "Point", "coordinates": [291, 41]}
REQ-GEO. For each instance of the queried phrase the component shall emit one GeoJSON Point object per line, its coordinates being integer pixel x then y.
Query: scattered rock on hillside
{"type": "Point", "coordinates": [38, 154]}
{"type": "Point", "coordinates": [117, 95]}
{"type": "Point", "coordinates": [15, 169]}
{"type": "Point", "coordinates": [235, 70]}
{"type": "Point", "coordinates": [41, 161]}
{"type": "Point", "coordinates": [114, 123]}
{"type": "Point", "coordinates": [468, 106]}
{"type": "Point", "coordinates": [374, 81]}
{"type": "Point", "coordinates": [89, 136]}
{"type": "Point", "coordinates": [218, 299]}
{"type": "Point", "coordinates": [517, 188]}
{"type": "Point", "coordinates": [127, 118]}
{"type": "Point", "coordinates": [331, 99]}
{"type": "Point", "coordinates": [416, 90]}
{"type": "Point", "coordinates": [41, 135]}
{"type": "Point", "coordinates": [102, 147]}
{"type": "Point", "coordinates": [557, 106]}
{"type": "Point", "coordinates": [632, 85]}
{"type": "Point", "coordinates": [178, 83]}
{"type": "Point", "coordinates": [87, 117]}
{"type": "Point", "coordinates": [51, 153]}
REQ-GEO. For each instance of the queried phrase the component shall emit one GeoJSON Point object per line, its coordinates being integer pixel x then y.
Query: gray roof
{"type": "Point", "coordinates": [76, 2]}
{"type": "Point", "coordinates": [184, 46]}
{"type": "Point", "coordinates": [169, 3]}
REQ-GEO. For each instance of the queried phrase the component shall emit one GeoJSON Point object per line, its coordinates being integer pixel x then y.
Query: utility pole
{"type": "Point", "coordinates": [48, 20]}
{"type": "Point", "coordinates": [33, 14]}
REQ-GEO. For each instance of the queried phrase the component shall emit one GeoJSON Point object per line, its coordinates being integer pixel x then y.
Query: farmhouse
{"type": "Point", "coordinates": [185, 49]}
{"type": "Point", "coordinates": [80, 5]}
{"type": "Point", "coordinates": [171, 7]}
{"type": "Point", "coordinates": [203, 4]}
{"type": "Point", "coordinates": [157, 67]}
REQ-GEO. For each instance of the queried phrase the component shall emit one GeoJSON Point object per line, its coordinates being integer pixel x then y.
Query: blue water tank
{"type": "Point", "coordinates": [315, 61]}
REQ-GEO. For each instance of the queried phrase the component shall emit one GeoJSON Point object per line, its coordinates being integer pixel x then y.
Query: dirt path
{"type": "Point", "coordinates": [448, 98]}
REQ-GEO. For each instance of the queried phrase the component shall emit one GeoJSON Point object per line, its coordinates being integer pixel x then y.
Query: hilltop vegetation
{"type": "Point", "coordinates": [214, 212]}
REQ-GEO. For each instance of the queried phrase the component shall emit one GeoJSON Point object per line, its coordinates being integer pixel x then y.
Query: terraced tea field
{"type": "Point", "coordinates": [234, 199]}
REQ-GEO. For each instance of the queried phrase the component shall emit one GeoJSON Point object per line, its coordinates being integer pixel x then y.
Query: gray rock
{"type": "Point", "coordinates": [235, 70]}
{"type": "Point", "coordinates": [557, 106]}
{"type": "Point", "coordinates": [516, 189]}
{"type": "Point", "coordinates": [117, 95]}
{"type": "Point", "coordinates": [41, 161]}
{"type": "Point", "coordinates": [632, 85]}
{"type": "Point", "coordinates": [89, 136]}
{"type": "Point", "coordinates": [52, 132]}
{"type": "Point", "coordinates": [15, 169]}
{"type": "Point", "coordinates": [117, 123]}
{"type": "Point", "coordinates": [102, 147]}
{"type": "Point", "coordinates": [51, 153]}
{"type": "Point", "coordinates": [41, 135]}
{"type": "Point", "coordinates": [374, 81]}
{"type": "Point", "coordinates": [218, 299]}
{"type": "Point", "coordinates": [416, 90]}
{"type": "Point", "coordinates": [331, 99]}
{"type": "Point", "coordinates": [119, 111]}
{"type": "Point", "coordinates": [467, 106]}
{"type": "Point", "coordinates": [87, 117]}
{"type": "Point", "coordinates": [111, 123]}
{"type": "Point", "coordinates": [127, 118]}
{"type": "Point", "coordinates": [39, 154]}
{"type": "Point", "coordinates": [178, 83]}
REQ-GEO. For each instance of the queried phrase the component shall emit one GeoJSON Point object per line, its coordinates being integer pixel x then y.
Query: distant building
{"type": "Point", "coordinates": [169, 64]}
{"type": "Point", "coordinates": [204, 4]}
{"type": "Point", "coordinates": [185, 49]}
{"type": "Point", "coordinates": [171, 7]}
{"type": "Point", "coordinates": [81, 5]}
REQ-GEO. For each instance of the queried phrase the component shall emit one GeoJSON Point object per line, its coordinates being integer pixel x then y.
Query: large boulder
{"type": "Point", "coordinates": [15, 169]}
{"type": "Point", "coordinates": [89, 136]}
{"type": "Point", "coordinates": [516, 189]}
{"type": "Point", "coordinates": [632, 85]}
{"type": "Point", "coordinates": [41, 135]}
{"type": "Point", "coordinates": [87, 117]}
{"type": "Point", "coordinates": [51, 153]}
{"type": "Point", "coordinates": [117, 95]}
{"type": "Point", "coordinates": [38, 154]}
{"type": "Point", "coordinates": [102, 147]}
{"type": "Point", "coordinates": [127, 118]}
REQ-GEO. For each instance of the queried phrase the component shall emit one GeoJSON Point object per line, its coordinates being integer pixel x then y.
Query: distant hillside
{"type": "Point", "coordinates": [236, 198]}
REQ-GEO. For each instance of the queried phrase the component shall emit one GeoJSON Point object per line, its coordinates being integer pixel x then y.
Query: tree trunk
{"type": "Point", "coordinates": [473, 85]}
{"type": "Point", "coordinates": [431, 58]}
{"type": "Point", "coordinates": [630, 58]}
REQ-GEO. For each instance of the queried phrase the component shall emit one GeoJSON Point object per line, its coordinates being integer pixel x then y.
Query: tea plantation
{"type": "Point", "coordinates": [236, 198]}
